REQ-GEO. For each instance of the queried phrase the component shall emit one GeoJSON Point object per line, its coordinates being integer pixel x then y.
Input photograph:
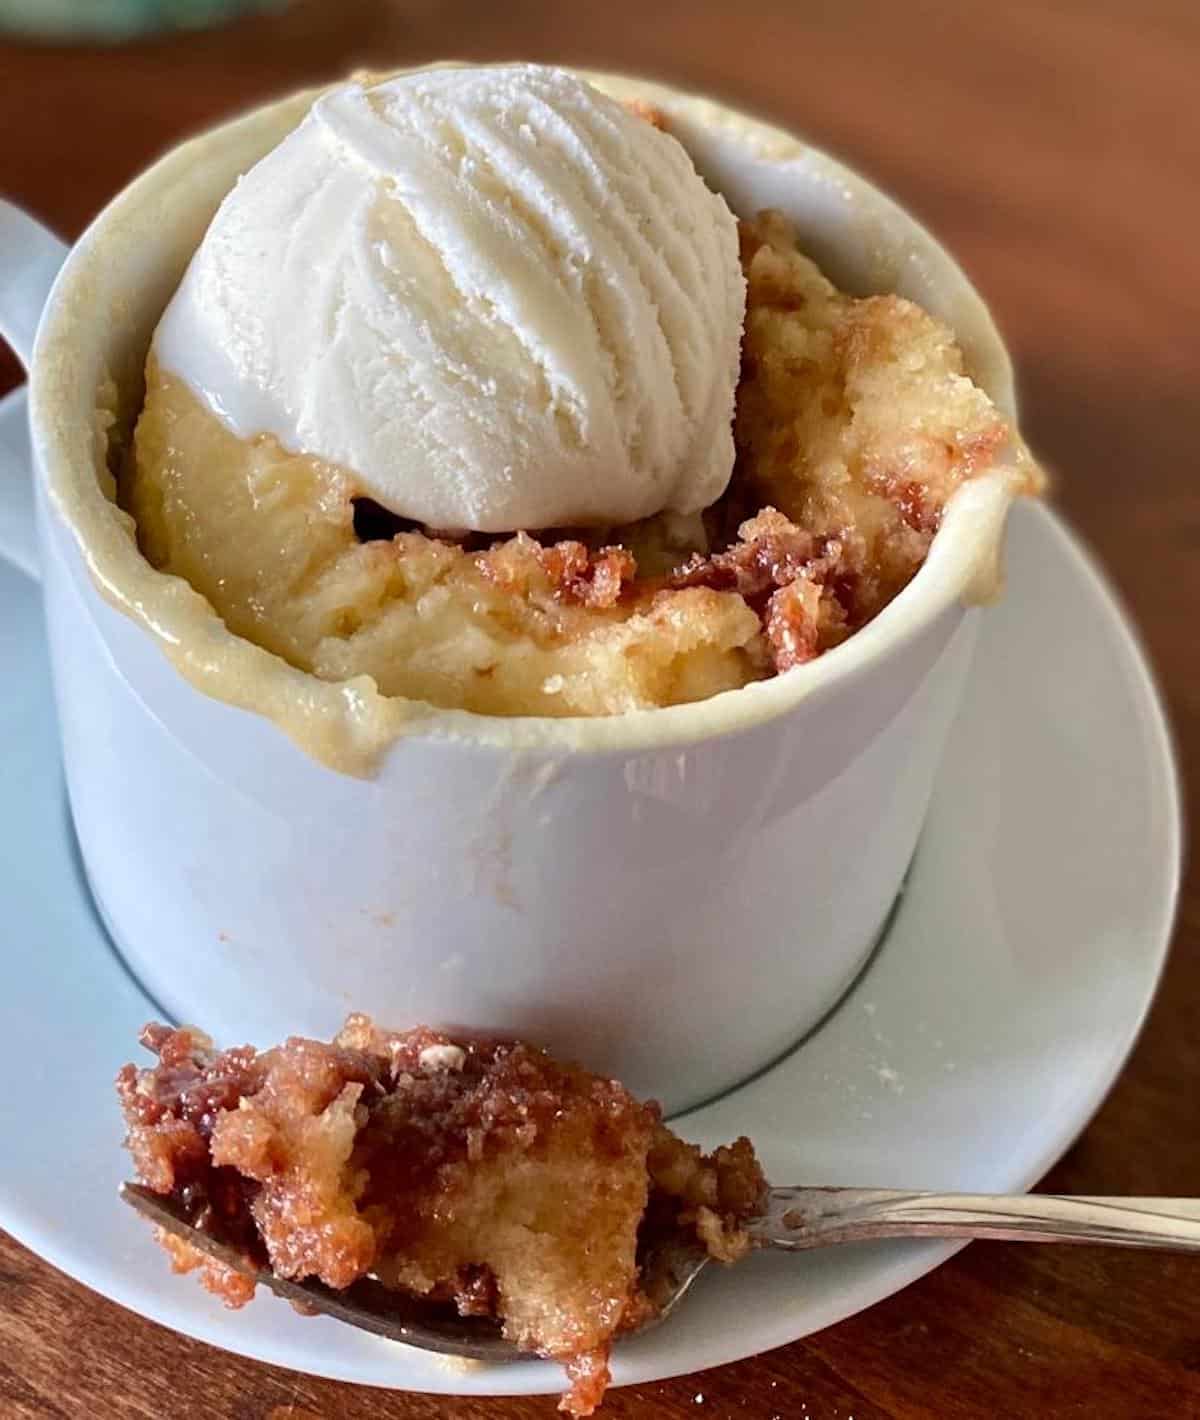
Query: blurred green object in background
{"type": "Point", "coordinates": [117, 19]}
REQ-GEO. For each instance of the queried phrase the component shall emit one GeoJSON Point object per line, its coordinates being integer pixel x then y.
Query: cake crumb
{"type": "Point", "coordinates": [442, 1057]}
{"type": "Point", "coordinates": [460, 1365]}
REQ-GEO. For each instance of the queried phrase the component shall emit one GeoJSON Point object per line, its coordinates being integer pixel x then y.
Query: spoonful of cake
{"type": "Point", "coordinates": [435, 1190]}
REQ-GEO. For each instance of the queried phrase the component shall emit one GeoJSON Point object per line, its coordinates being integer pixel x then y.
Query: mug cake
{"type": "Point", "coordinates": [512, 543]}
{"type": "Point", "coordinates": [475, 387]}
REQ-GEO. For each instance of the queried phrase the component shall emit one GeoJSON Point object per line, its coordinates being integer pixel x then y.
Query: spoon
{"type": "Point", "coordinates": [795, 1219]}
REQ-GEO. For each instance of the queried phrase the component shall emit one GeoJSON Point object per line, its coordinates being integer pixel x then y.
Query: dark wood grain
{"type": "Point", "coordinates": [1056, 147]}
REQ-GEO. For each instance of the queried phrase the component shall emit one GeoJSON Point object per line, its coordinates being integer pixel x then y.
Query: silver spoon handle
{"type": "Point", "coordinates": [798, 1218]}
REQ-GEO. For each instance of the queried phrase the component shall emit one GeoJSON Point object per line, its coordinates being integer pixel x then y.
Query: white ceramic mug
{"type": "Point", "coordinates": [673, 896]}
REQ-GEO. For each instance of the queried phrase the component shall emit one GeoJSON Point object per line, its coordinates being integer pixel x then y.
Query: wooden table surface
{"type": "Point", "coordinates": [1055, 146]}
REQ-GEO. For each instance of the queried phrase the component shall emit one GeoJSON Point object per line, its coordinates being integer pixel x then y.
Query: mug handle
{"type": "Point", "coordinates": [30, 258]}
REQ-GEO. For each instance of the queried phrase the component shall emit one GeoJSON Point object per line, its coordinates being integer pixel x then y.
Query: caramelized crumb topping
{"type": "Point", "coordinates": [573, 572]}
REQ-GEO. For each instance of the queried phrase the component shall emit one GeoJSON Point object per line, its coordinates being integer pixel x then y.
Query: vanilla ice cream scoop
{"type": "Point", "coordinates": [496, 296]}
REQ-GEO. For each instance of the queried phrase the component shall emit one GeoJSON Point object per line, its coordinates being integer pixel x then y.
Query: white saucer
{"type": "Point", "coordinates": [974, 1049]}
